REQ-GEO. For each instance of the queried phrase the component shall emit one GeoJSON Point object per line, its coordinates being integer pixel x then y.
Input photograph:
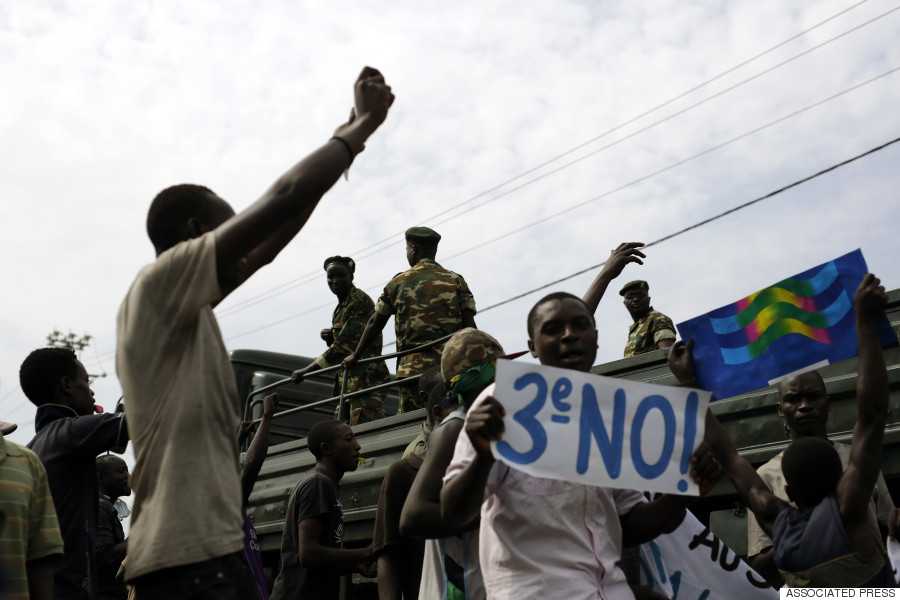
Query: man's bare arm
{"type": "Point", "coordinates": [461, 497]}
{"type": "Point", "coordinates": [374, 326]}
{"type": "Point", "coordinates": [855, 486]}
{"type": "Point", "coordinates": [313, 554]}
{"type": "Point", "coordinates": [259, 447]}
{"type": "Point", "coordinates": [40, 577]}
{"type": "Point", "coordinates": [251, 239]}
{"type": "Point", "coordinates": [421, 516]}
{"type": "Point", "coordinates": [624, 253]}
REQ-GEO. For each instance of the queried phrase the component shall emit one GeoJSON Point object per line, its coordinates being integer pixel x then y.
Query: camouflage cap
{"type": "Point", "coordinates": [466, 349]}
{"type": "Point", "coordinates": [639, 284]}
{"type": "Point", "coordinates": [423, 235]}
{"type": "Point", "coordinates": [341, 260]}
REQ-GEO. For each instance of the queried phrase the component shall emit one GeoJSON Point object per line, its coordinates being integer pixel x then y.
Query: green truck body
{"type": "Point", "coordinates": [750, 420]}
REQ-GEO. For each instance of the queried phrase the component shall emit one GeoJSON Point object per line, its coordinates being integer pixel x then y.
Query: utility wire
{"type": "Point", "coordinates": [700, 223]}
{"type": "Point", "coordinates": [666, 118]}
{"type": "Point", "coordinates": [675, 164]}
{"type": "Point", "coordinates": [609, 192]}
{"type": "Point", "coordinates": [646, 113]}
{"type": "Point", "coordinates": [310, 277]}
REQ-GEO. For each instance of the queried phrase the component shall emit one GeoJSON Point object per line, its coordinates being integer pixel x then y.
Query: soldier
{"type": "Point", "coordinates": [428, 302]}
{"type": "Point", "coordinates": [651, 329]}
{"type": "Point", "coordinates": [347, 324]}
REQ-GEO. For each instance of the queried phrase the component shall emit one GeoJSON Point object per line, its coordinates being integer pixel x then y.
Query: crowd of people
{"type": "Point", "coordinates": [452, 522]}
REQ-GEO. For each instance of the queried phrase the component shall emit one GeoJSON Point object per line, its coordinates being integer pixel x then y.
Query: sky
{"type": "Point", "coordinates": [533, 136]}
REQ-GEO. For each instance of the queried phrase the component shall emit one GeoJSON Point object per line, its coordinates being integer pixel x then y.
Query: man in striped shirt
{"type": "Point", "coordinates": [31, 541]}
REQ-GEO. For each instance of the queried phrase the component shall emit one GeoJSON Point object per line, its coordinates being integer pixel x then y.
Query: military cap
{"type": "Point", "coordinates": [639, 284]}
{"type": "Point", "coordinates": [423, 235]}
{"type": "Point", "coordinates": [341, 260]}
{"type": "Point", "coordinates": [466, 349]}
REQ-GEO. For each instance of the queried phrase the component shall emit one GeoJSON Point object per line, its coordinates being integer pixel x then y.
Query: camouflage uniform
{"type": "Point", "coordinates": [647, 331]}
{"type": "Point", "coordinates": [347, 324]}
{"type": "Point", "coordinates": [427, 303]}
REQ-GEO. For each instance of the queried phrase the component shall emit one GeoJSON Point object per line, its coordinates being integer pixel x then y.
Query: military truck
{"type": "Point", "coordinates": [750, 420]}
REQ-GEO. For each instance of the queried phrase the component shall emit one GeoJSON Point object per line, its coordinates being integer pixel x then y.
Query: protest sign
{"type": "Point", "coordinates": [584, 428]}
{"type": "Point", "coordinates": [800, 323]}
{"type": "Point", "coordinates": [691, 563]}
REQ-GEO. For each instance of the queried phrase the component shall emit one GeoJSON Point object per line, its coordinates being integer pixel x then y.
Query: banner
{"type": "Point", "coordinates": [691, 563]}
{"type": "Point", "coordinates": [584, 428]}
{"type": "Point", "coordinates": [800, 323]}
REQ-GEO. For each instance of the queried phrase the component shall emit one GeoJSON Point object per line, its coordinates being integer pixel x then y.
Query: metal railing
{"type": "Point", "coordinates": [343, 395]}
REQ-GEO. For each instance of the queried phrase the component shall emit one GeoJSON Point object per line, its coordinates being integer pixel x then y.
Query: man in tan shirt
{"type": "Point", "coordinates": [180, 394]}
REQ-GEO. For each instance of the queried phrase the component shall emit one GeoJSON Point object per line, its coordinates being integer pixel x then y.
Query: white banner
{"type": "Point", "coordinates": [584, 428]}
{"type": "Point", "coordinates": [691, 563]}
{"type": "Point", "coordinates": [893, 551]}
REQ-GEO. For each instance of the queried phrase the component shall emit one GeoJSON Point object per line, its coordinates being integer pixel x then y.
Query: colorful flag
{"type": "Point", "coordinates": [801, 323]}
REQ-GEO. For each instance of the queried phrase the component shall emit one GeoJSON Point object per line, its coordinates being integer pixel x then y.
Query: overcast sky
{"type": "Point", "coordinates": [106, 103]}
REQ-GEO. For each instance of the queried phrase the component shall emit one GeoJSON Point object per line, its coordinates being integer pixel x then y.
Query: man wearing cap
{"type": "Point", "coordinates": [651, 330]}
{"type": "Point", "coordinates": [347, 324]}
{"type": "Point", "coordinates": [428, 302]}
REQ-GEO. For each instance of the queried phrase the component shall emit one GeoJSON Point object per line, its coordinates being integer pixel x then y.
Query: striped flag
{"type": "Point", "coordinates": [801, 323]}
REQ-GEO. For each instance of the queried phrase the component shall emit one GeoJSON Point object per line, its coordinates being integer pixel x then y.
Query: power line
{"type": "Point", "coordinates": [616, 189]}
{"type": "Point", "coordinates": [674, 165]}
{"type": "Point", "coordinates": [362, 253]}
{"type": "Point", "coordinates": [701, 223]}
{"type": "Point", "coordinates": [671, 116]}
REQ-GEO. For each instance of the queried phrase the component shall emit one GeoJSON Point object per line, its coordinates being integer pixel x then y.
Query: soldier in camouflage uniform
{"type": "Point", "coordinates": [428, 302]}
{"type": "Point", "coordinates": [347, 323]}
{"type": "Point", "coordinates": [651, 329]}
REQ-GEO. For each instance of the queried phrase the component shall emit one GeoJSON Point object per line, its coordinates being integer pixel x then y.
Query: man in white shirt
{"type": "Point", "coordinates": [180, 395]}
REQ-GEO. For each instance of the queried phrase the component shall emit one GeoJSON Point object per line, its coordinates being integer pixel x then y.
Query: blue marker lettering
{"type": "Point", "coordinates": [648, 471]}
{"type": "Point", "coordinates": [526, 418]}
{"type": "Point", "coordinates": [591, 426]}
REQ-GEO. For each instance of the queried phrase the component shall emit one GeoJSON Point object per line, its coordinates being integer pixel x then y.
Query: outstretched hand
{"type": "Point", "coordinates": [681, 362]}
{"type": "Point", "coordinates": [870, 298]}
{"type": "Point", "coordinates": [484, 424]}
{"type": "Point", "coordinates": [620, 256]}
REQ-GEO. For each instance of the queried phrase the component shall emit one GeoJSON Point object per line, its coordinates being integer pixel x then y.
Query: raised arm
{"type": "Point", "coordinates": [764, 504]}
{"type": "Point", "coordinates": [251, 239]}
{"type": "Point", "coordinates": [855, 486]}
{"type": "Point", "coordinates": [624, 253]}
{"type": "Point", "coordinates": [259, 447]}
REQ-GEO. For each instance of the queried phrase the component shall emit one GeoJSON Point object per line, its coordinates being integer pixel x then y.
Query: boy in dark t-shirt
{"type": "Point", "coordinates": [312, 545]}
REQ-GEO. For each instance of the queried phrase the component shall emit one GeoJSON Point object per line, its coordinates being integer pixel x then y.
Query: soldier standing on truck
{"type": "Point", "coordinates": [347, 324]}
{"type": "Point", "coordinates": [428, 302]}
{"type": "Point", "coordinates": [179, 387]}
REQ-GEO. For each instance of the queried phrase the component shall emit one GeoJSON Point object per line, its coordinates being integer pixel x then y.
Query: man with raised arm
{"type": "Point", "coordinates": [828, 540]}
{"type": "Point", "coordinates": [178, 385]}
{"type": "Point", "coordinates": [428, 302]}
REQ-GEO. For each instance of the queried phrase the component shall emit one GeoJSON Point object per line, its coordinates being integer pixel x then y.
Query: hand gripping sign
{"type": "Point", "coordinates": [593, 430]}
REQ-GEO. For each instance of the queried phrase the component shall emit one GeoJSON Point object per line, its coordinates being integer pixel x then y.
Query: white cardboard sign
{"type": "Point", "coordinates": [584, 428]}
